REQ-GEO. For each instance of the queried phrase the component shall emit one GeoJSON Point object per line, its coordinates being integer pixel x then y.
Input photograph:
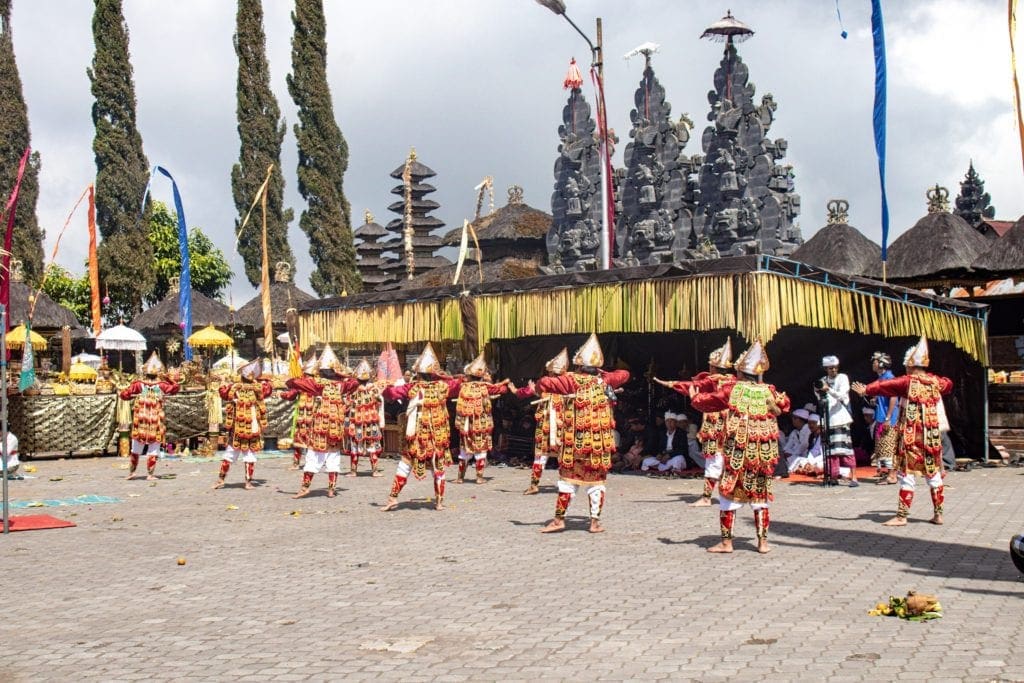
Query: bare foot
{"type": "Point", "coordinates": [295, 467]}
{"type": "Point", "coordinates": [702, 502]}
{"type": "Point", "coordinates": [301, 493]}
{"type": "Point", "coordinates": [723, 547]}
{"type": "Point", "coordinates": [553, 526]}
{"type": "Point", "coordinates": [890, 480]}
{"type": "Point", "coordinates": [377, 473]}
{"type": "Point", "coordinates": [532, 491]}
{"type": "Point", "coordinates": [460, 480]}
{"type": "Point", "coordinates": [150, 477]}
{"type": "Point", "coordinates": [351, 474]}
{"type": "Point", "coordinates": [595, 527]}
{"type": "Point", "coordinates": [219, 484]}
{"type": "Point", "coordinates": [481, 480]}
{"type": "Point", "coordinates": [762, 546]}
{"type": "Point", "coordinates": [896, 521]}
{"type": "Point", "coordinates": [937, 519]}
{"type": "Point", "coordinates": [390, 505]}
{"type": "Point", "coordinates": [249, 486]}
{"type": "Point", "coordinates": [130, 477]}
{"type": "Point", "coordinates": [439, 505]}
{"type": "Point", "coordinates": [331, 493]}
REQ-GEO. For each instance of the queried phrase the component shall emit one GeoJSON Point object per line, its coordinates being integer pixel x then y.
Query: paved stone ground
{"type": "Point", "coordinates": [328, 589]}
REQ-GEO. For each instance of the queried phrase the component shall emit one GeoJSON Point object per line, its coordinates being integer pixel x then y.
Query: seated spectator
{"type": "Point", "coordinates": [813, 462]}
{"type": "Point", "coordinates": [689, 459]}
{"type": "Point", "coordinates": [798, 442]}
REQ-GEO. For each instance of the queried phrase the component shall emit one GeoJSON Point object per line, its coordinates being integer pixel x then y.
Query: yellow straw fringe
{"type": "Point", "coordinates": [757, 305]}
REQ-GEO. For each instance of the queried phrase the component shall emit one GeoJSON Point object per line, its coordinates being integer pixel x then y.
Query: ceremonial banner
{"type": "Point", "coordinates": [878, 37]}
{"type": "Point", "coordinates": [268, 323]}
{"type": "Point", "coordinates": [1016, 82]}
{"type": "Point", "coordinates": [9, 211]}
{"type": "Point", "coordinates": [28, 369]}
{"type": "Point", "coordinates": [185, 276]}
{"type": "Point", "coordinates": [94, 267]}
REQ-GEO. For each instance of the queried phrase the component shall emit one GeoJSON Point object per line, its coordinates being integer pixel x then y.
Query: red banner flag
{"type": "Point", "coordinates": [5, 263]}
{"type": "Point", "coordinates": [94, 267]}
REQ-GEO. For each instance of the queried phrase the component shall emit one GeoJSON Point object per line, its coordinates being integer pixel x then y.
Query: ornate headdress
{"type": "Point", "coordinates": [311, 366]}
{"type": "Point", "coordinates": [559, 364]}
{"type": "Point", "coordinates": [722, 356]}
{"type": "Point", "coordinates": [153, 366]}
{"type": "Point", "coordinates": [363, 370]}
{"type": "Point", "coordinates": [917, 355]}
{"type": "Point", "coordinates": [882, 358]}
{"type": "Point", "coordinates": [252, 370]}
{"type": "Point", "coordinates": [753, 361]}
{"type": "Point", "coordinates": [328, 359]}
{"type": "Point", "coordinates": [427, 363]}
{"type": "Point", "coordinates": [477, 368]}
{"type": "Point", "coordinates": [589, 354]}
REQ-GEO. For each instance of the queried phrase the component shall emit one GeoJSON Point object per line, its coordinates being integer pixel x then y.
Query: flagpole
{"type": "Point", "coordinates": [3, 415]}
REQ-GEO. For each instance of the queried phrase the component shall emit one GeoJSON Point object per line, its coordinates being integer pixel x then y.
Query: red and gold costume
{"type": "Point", "coordinates": [327, 435]}
{"type": "Point", "coordinates": [427, 434]}
{"type": "Point", "coordinates": [547, 437]}
{"type": "Point", "coordinates": [302, 418]}
{"type": "Point", "coordinates": [149, 424]}
{"type": "Point", "coordinates": [245, 418]}
{"type": "Point", "coordinates": [751, 447]}
{"type": "Point", "coordinates": [366, 419]}
{"type": "Point", "coordinates": [919, 449]}
{"type": "Point", "coordinates": [474, 418]}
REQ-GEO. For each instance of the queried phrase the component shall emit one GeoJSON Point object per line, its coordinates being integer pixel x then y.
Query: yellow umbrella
{"type": "Point", "coordinates": [80, 372]}
{"type": "Point", "coordinates": [209, 336]}
{"type": "Point", "coordinates": [16, 339]}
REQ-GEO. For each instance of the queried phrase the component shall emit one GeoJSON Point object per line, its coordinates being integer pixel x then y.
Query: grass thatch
{"type": "Point", "coordinates": [283, 295]}
{"type": "Point", "coordinates": [840, 248]}
{"type": "Point", "coordinates": [938, 244]}
{"type": "Point", "coordinates": [1005, 256]}
{"type": "Point", "coordinates": [205, 311]}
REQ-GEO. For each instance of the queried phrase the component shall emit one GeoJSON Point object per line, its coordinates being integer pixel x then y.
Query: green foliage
{"type": "Point", "coordinates": [261, 131]}
{"type": "Point", "coordinates": [69, 291]}
{"type": "Point", "coordinates": [121, 167]}
{"type": "Point", "coordinates": [323, 157]}
{"type": "Point", "coordinates": [27, 239]}
{"type": "Point", "coordinates": [208, 269]}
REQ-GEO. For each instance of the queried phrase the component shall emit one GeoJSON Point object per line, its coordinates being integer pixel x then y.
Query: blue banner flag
{"type": "Point", "coordinates": [878, 37]}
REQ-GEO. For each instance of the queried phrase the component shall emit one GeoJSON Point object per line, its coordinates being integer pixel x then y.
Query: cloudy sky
{"type": "Point", "coordinates": [475, 87]}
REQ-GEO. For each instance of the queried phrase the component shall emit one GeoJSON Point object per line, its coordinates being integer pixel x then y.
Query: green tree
{"type": "Point", "coordinates": [121, 167]}
{"type": "Point", "coordinates": [261, 131]}
{"type": "Point", "coordinates": [69, 291]}
{"type": "Point", "coordinates": [323, 157]}
{"type": "Point", "coordinates": [208, 269]}
{"type": "Point", "coordinates": [27, 240]}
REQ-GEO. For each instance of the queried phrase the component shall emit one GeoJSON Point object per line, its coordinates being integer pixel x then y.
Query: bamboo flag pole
{"type": "Point", "coordinates": [268, 323]}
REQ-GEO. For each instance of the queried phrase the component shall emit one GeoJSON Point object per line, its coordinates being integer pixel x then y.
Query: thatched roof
{"type": "Point", "coordinates": [205, 311]}
{"type": "Point", "coordinates": [1005, 255]}
{"type": "Point", "coordinates": [939, 244]}
{"type": "Point", "coordinates": [283, 295]}
{"type": "Point", "coordinates": [840, 248]}
{"type": "Point", "coordinates": [502, 269]}
{"type": "Point", "coordinates": [512, 222]}
{"type": "Point", "coordinates": [48, 315]}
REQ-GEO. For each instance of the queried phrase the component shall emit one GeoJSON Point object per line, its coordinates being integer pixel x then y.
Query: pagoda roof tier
{"type": "Point", "coordinates": [418, 222]}
{"type": "Point", "coordinates": [370, 229]}
{"type": "Point", "coordinates": [419, 170]}
{"type": "Point", "coordinates": [421, 204]}
{"type": "Point", "coordinates": [417, 189]}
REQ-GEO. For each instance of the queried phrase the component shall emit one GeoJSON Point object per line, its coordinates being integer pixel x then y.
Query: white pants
{"type": "Point", "coordinates": [908, 481]}
{"type": "Point", "coordinates": [649, 462]}
{"type": "Point", "coordinates": [595, 493]}
{"type": "Point", "coordinates": [677, 463]}
{"type": "Point", "coordinates": [463, 455]}
{"type": "Point", "coordinates": [231, 455]}
{"type": "Point", "coordinates": [713, 466]}
{"type": "Point", "coordinates": [728, 504]}
{"type": "Point", "coordinates": [318, 461]}
{"type": "Point", "coordinates": [140, 448]}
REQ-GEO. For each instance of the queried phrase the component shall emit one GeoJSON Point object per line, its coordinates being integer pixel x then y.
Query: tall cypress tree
{"type": "Point", "coordinates": [27, 241]}
{"type": "Point", "coordinates": [261, 131]}
{"type": "Point", "coordinates": [323, 157]}
{"type": "Point", "coordinates": [122, 169]}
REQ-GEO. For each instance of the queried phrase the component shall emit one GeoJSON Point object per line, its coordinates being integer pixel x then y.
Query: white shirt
{"type": "Point", "coordinates": [798, 442]}
{"type": "Point", "coordinates": [12, 450]}
{"type": "Point", "coordinates": [839, 401]}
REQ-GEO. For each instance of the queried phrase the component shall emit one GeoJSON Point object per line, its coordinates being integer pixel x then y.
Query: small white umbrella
{"type": "Point", "coordinates": [232, 361]}
{"type": "Point", "coordinates": [92, 360]}
{"type": "Point", "coordinates": [120, 338]}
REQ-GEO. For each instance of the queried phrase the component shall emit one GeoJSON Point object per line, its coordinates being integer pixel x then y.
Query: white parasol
{"type": "Point", "coordinates": [120, 338]}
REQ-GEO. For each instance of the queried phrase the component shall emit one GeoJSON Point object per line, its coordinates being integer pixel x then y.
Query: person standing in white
{"type": "Point", "coordinates": [835, 388]}
{"type": "Point", "coordinates": [12, 457]}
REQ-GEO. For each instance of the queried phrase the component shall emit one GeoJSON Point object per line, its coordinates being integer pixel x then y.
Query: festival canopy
{"type": "Point", "coordinates": [120, 338]}
{"type": "Point", "coordinates": [232, 361]}
{"type": "Point", "coordinates": [16, 339]}
{"type": "Point", "coordinates": [210, 337]}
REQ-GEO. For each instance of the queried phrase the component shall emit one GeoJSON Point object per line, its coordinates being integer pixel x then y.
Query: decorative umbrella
{"type": "Point", "coordinates": [92, 360]}
{"type": "Point", "coordinates": [16, 339]}
{"type": "Point", "coordinates": [275, 367]}
{"type": "Point", "coordinates": [120, 338]}
{"type": "Point", "coordinates": [210, 336]}
{"type": "Point", "coordinates": [232, 361]}
{"type": "Point", "coordinates": [80, 372]}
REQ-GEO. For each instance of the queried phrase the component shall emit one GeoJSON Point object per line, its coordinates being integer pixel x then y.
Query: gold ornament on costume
{"type": "Point", "coordinates": [917, 355]}
{"type": "Point", "coordinates": [427, 363]}
{"type": "Point", "coordinates": [753, 361]}
{"type": "Point", "coordinates": [477, 368]}
{"type": "Point", "coordinates": [363, 370]}
{"type": "Point", "coordinates": [722, 356]}
{"type": "Point", "coordinates": [590, 353]}
{"type": "Point", "coordinates": [153, 366]}
{"type": "Point", "coordinates": [559, 364]}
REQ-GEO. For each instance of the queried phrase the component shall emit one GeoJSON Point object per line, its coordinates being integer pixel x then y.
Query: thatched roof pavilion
{"type": "Point", "coordinates": [163, 318]}
{"type": "Point", "coordinates": [283, 295]}
{"type": "Point", "coordinates": [839, 247]}
{"type": "Point", "coordinates": [1005, 256]}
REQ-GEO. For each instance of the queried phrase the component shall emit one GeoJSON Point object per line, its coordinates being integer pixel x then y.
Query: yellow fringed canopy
{"type": "Point", "coordinates": [757, 303]}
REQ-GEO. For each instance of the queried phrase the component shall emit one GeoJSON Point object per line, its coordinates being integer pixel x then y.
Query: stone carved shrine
{"type": "Point", "coordinates": [973, 204]}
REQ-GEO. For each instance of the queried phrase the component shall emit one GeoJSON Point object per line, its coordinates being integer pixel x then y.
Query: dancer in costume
{"type": "Point", "coordinates": [427, 435]}
{"type": "Point", "coordinates": [751, 447]}
{"type": "Point", "coordinates": [302, 418]}
{"type": "Point", "coordinates": [149, 426]}
{"type": "Point", "coordinates": [547, 438]}
{"type": "Point", "coordinates": [365, 421]}
{"type": "Point", "coordinates": [588, 440]}
{"type": "Point", "coordinates": [919, 449]}
{"type": "Point", "coordinates": [712, 427]}
{"type": "Point", "coordinates": [474, 418]}
{"type": "Point", "coordinates": [327, 434]}
{"type": "Point", "coordinates": [245, 418]}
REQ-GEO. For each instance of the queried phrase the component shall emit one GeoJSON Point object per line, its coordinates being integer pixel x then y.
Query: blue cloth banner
{"type": "Point", "coordinates": [878, 37]}
{"type": "Point", "coordinates": [185, 285]}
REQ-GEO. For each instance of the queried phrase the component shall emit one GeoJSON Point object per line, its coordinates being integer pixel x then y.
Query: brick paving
{"type": "Point", "coordinates": [328, 589]}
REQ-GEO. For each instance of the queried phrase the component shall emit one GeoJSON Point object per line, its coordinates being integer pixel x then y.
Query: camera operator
{"type": "Point", "coordinates": [833, 392]}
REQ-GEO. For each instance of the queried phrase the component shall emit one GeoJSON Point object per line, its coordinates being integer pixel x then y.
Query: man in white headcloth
{"type": "Point", "coordinates": [834, 391]}
{"type": "Point", "coordinates": [798, 441]}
